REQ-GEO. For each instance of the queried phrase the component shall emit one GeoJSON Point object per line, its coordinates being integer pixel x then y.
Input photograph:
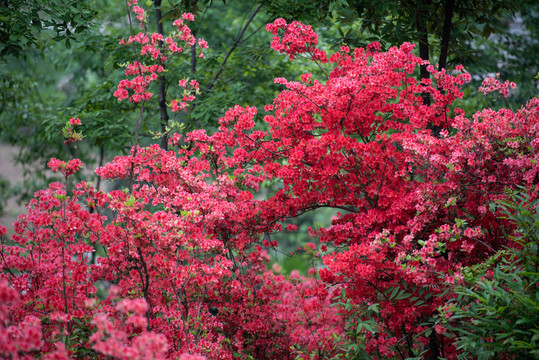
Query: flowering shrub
{"type": "Point", "coordinates": [153, 49]}
{"type": "Point", "coordinates": [183, 248]}
{"type": "Point", "coordinates": [499, 296]}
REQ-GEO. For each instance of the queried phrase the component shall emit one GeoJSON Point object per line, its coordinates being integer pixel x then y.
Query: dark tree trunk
{"type": "Point", "coordinates": [194, 56]}
{"type": "Point", "coordinates": [446, 32]}
{"type": "Point", "coordinates": [421, 26]}
{"type": "Point", "coordinates": [434, 347]}
{"type": "Point", "coordinates": [162, 82]}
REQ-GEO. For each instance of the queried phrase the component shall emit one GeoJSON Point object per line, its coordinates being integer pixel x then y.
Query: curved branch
{"type": "Point", "coordinates": [234, 46]}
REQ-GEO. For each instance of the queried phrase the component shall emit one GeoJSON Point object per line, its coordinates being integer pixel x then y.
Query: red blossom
{"type": "Point", "coordinates": [183, 251]}
{"type": "Point", "coordinates": [491, 84]}
{"type": "Point", "coordinates": [188, 17]}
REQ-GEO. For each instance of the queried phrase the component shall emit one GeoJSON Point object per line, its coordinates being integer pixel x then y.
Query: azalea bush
{"type": "Point", "coordinates": [496, 312]}
{"type": "Point", "coordinates": [174, 265]}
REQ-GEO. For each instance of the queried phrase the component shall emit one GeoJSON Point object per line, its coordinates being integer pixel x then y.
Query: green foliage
{"type": "Point", "coordinates": [356, 327]}
{"type": "Point", "coordinates": [395, 21]}
{"type": "Point", "coordinates": [4, 192]}
{"type": "Point", "coordinates": [287, 255]}
{"type": "Point", "coordinates": [513, 53]}
{"type": "Point", "coordinates": [53, 81]}
{"type": "Point", "coordinates": [21, 21]}
{"type": "Point", "coordinates": [242, 77]}
{"type": "Point", "coordinates": [45, 82]}
{"type": "Point", "coordinates": [496, 312]}
{"type": "Point", "coordinates": [486, 36]}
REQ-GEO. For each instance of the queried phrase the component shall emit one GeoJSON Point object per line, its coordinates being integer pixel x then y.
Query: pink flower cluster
{"type": "Point", "coordinates": [492, 84]}
{"type": "Point", "coordinates": [67, 168]}
{"type": "Point", "coordinates": [116, 339]}
{"type": "Point", "coordinates": [70, 134]}
{"type": "Point", "coordinates": [294, 38]}
{"type": "Point", "coordinates": [190, 88]}
{"type": "Point", "coordinates": [16, 339]}
{"type": "Point", "coordinates": [135, 86]}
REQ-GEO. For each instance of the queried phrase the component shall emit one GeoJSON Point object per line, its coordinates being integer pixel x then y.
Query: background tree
{"type": "Point", "coordinates": [62, 41]}
{"type": "Point", "coordinates": [73, 70]}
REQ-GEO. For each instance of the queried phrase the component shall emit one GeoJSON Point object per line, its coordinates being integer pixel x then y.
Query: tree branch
{"type": "Point", "coordinates": [162, 81]}
{"type": "Point", "coordinates": [234, 46]}
{"type": "Point", "coordinates": [446, 32]}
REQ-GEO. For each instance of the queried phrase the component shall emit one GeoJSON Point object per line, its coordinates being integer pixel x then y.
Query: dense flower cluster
{"type": "Point", "coordinates": [152, 49]}
{"type": "Point", "coordinates": [67, 168]}
{"type": "Point", "coordinates": [292, 39]}
{"type": "Point", "coordinates": [18, 338]}
{"type": "Point", "coordinates": [175, 266]}
{"type": "Point", "coordinates": [70, 134]}
{"type": "Point", "coordinates": [491, 84]}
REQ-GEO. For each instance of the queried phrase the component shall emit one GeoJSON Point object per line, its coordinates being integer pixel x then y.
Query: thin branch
{"type": "Point", "coordinates": [234, 46]}
{"type": "Point", "coordinates": [132, 170]}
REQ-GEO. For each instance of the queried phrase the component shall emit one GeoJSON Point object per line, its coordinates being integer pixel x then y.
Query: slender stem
{"type": "Point", "coordinates": [178, 295]}
{"type": "Point", "coordinates": [64, 278]}
{"type": "Point", "coordinates": [101, 160]}
{"type": "Point", "coordinates": [145, 285]}
{"type": "Point", "coordinates": [132, 170]}
{"type": "Point", "coordinates": [234, 46]}
{"type": "Point", "coordinates": [194, 56]}
{"type": "Point", "coordinates": [63, 237]}
{"type": "Point", "coordinates": [198, 312]}
{"type": "Point", "coordinates": [3, 258]}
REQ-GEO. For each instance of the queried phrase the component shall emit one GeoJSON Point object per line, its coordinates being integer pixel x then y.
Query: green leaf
{"type": "Point", "coordinates": [394, 292]}
{"type": "Point", "coordinates": [403, 295]}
